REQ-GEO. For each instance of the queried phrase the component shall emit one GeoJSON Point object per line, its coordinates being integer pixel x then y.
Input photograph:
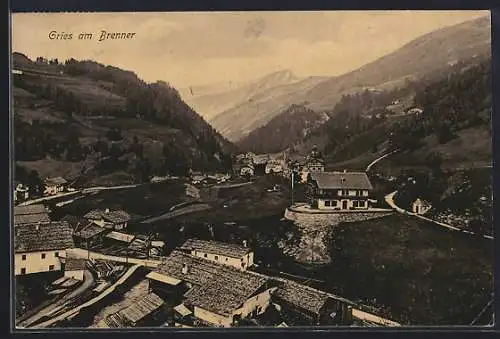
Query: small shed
{"type": "Point", "coordinates": [120, 237]}
{"type": "Point", "coordinates": [420, 206]}
{"type": "Point", "coordinates": [74, 268]}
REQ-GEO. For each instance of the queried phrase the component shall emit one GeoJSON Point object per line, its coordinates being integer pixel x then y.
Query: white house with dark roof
{"type": "Point", "coordinates": [217, 295]}
{"type": "Point", "coordinates": [339, 190]}
{"type": "Point", "coordinates": [30, 214]}
{"type": "Point", "coordinates": [55, 185]}
{"type": "Point", "coordinates": [420, 206]}
{"type": "Point", "coordinates": [39, 246]}
{"type": "Point", "coordinates": [237, 256]}
{"type": "Point", "coordinates": [115, 219]}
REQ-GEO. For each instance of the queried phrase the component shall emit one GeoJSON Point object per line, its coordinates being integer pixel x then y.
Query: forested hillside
{"type": "Point", "coordinates": [291, 126]}
{"type": "Point", "coordinates": [79, 111]}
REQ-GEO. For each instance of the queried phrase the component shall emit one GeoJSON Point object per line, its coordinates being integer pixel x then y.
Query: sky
{"type": "Point", "coordinates": [199, 48]}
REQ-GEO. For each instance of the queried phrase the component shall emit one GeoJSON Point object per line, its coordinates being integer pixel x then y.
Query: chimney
{"type": "Point", "coordinates": [244, 243]}
{"type": "Point", "coordinates": [106, 210]}
{"type": "Point", "coordinates": [185, 268]}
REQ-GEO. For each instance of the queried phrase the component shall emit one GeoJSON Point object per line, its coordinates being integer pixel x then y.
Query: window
{"type": "Point", "coordinates": [23, 270]}
{"type": "Point", "coordinates": [56, 254]}
{"type": "Point", "coordinates": [43, 255]}
{"type": "Point", "coordinates": [216, 257]}
{"type": "Point", "coordinates": [243, 265]}
{"type": "Point", "coordinates": [354, 203]}
{"type": "Point", "coordinates": [23, 257]}
{"type": "Point", "coordinates": [256, 297]}
{"type": "Point", "coordinates": [205, 255]}
{"type": "Point", "coordinates": [51, 267]}
{"type": "Point", "coordinates": [339, 193]}
{"type": "Point", "coordinates": [226, 259]}
{"type": "Point", "coordinates": [327, 203]}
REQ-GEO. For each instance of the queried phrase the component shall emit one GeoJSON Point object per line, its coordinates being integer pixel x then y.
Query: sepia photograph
{"type": "Point", "coordinates": [201, 170]}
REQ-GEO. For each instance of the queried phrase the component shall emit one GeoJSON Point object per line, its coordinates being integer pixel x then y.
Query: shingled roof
{"type": "Point", "coordinates": [29, 209]}
{"type": "Point", "coordinates": [341, 180]}
{"type": "Point", "coordinates": [113, 216]}
{"type": "Point", "coordinates": [74, 264]}
{"type": "Point", "coordinates": [141, 308]}
{"type": "Point", "coordinates": [91, 230]}
{"type": "Point", "coordinates": [30, 214]}
{"type": "Point", "coordinates": [219, 289]}
{"type": "Point", "coordinates": [44, 237]}
{"type": "Point", "coordinates": [302, 296]}
{"type": "Point", "coordinates": [215, 247]}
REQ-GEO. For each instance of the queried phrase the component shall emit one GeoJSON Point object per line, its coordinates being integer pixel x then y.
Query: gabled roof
{"type": "Point", "coordinates": [75, 264]}
{"type": "Point", "coordinates": [26, 219]}
{"type": "Point", "coordinates": [29, 209]}
{"type": "Point", "coordinates": [302, 296]}
{"type": "Point", "coordinates": [341, 180]}
{"type": "Point", "coordinates": [113, 216]}
{"type": "Point", "coordinates": [422, 202]}
{"type": "Point", "coordinates": [56, 181]}
{"type": "Point", "coordinates": [76, 223]}
{"type": "Point", "coordinates": [215, 247]}
{"type": "Point", "coordinates": [91, 230]}
{"type": "Point", "coordinates": [44, 237]}
{"type": "Point", "coordinates": [218, 288]}
{"type": "Point", "coordinates": [141, 308]}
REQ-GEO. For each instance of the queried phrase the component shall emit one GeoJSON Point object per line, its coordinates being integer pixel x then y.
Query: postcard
{"type": "Point", "coordinates": [327, 169]}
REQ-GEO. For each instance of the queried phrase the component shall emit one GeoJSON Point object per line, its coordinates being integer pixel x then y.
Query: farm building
{"type": "Point", "coordinates": [141, 312]}
{"type": "Point", "coordinates": [55, 185]}
{"type": "Point", "coordinates": [237, 256]}
{"type": "Point", "coordinates": [115, 219]}
{"type": "Point", "coordinates": [217, 295]}
{"type": "Point", "coordinates": [420, 206]}
{"type": "Point", "coordinates": [247, 170]}
{"type": "Point", "coordinates": [301, 305]}
{"type": "Point", "coordinates": [74, 268]}
{"type": "Point", "coordinates": [90, 235]}
{"type": "Point", "coordinates": [30, 214]}
{"type": "Point", "coordinates": [39, 246]}
{"type": "Point", "coordinates": [339, 190]}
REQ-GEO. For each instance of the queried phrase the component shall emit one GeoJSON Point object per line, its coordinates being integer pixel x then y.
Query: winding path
{"type": "Point", "coordinates": [389, 198]}
{"type": "Point", "coordinates": [370, 165]}
{"type": "Point", "coordinates": [61, 303]}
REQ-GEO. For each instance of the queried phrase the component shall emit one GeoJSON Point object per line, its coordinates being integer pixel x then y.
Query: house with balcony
{"type": "Point", "coordinates": [342, 191]}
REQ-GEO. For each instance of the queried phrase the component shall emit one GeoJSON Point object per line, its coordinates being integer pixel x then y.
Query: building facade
{"type": "Point", "coordinates": [239, 257]}
{"type": "Point", "coordinates": [115, 219]}
{"type": "Point", "coordinates": [420, 206]}
{"type": "Point", "coordinates": [38, 248]}
{"type": "Point", "coordinates": [339, 190]}
{"type": "Point", "coordinates": [54, 186]}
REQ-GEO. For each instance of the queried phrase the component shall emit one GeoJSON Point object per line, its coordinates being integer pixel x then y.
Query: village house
{"type": "Point", "coordinates": [247, 170]}
{"type": "Point", "coordinates": [240, 257]}
{"type": "Point", "coordinates": [90, 235]}
{"type": "Point", "coordinates": [55, 185]}
{"type": "Point", "coordinates": [74, 268]}
{"type": "Point", "coordinates": [302, 305]}
{"type": "Point", "coordinates": [339, 190]}
{"type": "Point", "coordinates": [314, 163]}
{"type": "Point", "coordinates": [274, 167]}
{"type": "Point", "coordinates": [420, 206]}
{"type": "Point", "coordinates": [38, 247]}
{"type": "Point", "coordinates": [30, 214]}
{"type": "Point", "coordinates": [215, 294]}
{"type": "Point", "coordinates": [21, 192]}
{"type": "Point", "coordinates": [115, 219]}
